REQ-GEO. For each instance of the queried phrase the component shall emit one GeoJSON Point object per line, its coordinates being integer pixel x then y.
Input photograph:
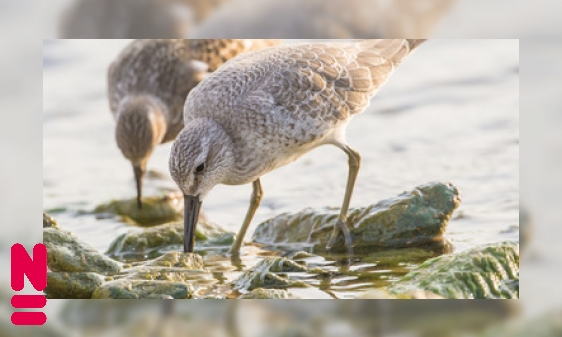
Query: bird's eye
{"type": "Point", "coordinates": [200, 168]}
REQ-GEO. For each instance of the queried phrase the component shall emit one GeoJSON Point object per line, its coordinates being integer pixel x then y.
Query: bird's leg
{"type": "Point", "coordinates": [257, 195]}
{"type": "Point", "coordinates": [354, 161]}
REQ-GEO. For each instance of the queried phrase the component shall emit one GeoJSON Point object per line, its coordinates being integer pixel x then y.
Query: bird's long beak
{"type": "Point", "coordinates": [139, 174]}
{"type": "Point", "coordinates": [192, 204]}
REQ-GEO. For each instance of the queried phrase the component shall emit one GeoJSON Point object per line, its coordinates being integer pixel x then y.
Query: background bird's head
{"type": "Point", "coordinates": [141, 126]}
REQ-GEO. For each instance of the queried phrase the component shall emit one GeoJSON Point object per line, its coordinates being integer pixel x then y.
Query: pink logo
{"type": "Point", "coordinates": [36, 271]}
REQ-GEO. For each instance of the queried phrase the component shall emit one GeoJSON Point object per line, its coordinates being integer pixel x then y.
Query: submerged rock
{"type": "Point", "coordinates": [49, 221]}
{"type": "Point", "coordinates": [143, 289]}
{"type": "Point", "coordinates": [265, 275]}
{"type": "Point", "coordinates": [410, 255]}
{"type": "Point", "coordinates": [155, 210]}
{"type": "Point", "coordinates": [411, 219]}
{"type": "Point", "coordinates": [189, 261]}
{"type": "Point", "coordinates": [173, 267]}
{"type": "Point", "coordinates": [65, 252]}
{"type": "Point", "coordinates": [487, 272]}
{"type": "Point", "coordinates": [72, 285]}
{"type": "Point", "coordinates": [152, 240]}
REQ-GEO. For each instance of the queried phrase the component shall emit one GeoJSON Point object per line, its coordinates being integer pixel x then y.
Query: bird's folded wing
{"type": "Point", "coordinates": [329, 81]}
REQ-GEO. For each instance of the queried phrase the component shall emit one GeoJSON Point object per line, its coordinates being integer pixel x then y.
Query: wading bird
{"type": "Point", "coordinates": [265, 109]}
{"type": "Point", "coordinates": [147, 87]}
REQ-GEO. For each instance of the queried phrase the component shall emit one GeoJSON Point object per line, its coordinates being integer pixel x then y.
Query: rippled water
{"type": "Point", "coordinates": [449, 113]}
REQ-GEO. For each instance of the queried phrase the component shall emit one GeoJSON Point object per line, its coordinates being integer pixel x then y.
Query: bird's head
{"type": "Point", "coordinates": [141, 126]}
{"type": "Point", "coordinates": [201, 157]}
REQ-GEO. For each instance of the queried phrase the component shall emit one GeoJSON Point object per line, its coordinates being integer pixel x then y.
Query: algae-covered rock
{"type": "Point", "coordinates": [155, 210]}
{"type": "Point", "coordinates": [65, 252]}
{"type": "Point", "coordinates": [178, 260]}
{"type": "Point", "coordinates": [72, 285]}
{"type": "Point", "coordinates": [266, 294]}
{"type": "Point", "coordinates": [171, 275]}
{"type": "Point", "coordinates": [485, 272]}
{"type": "Point", "coordinates": [409, 255]}
{"type": "Point", "coordinates": [173, 267]}
{"type": "Point", "coordinates": [413, 218]}
{"type": "Point", "coordinates": [49, 221]}
{"type": "Point", "coordinates": [151, 240]}
{"type": "Point", "coordinates": [143, 289]}
{"type": "Point", "coordinates": [264, 275]}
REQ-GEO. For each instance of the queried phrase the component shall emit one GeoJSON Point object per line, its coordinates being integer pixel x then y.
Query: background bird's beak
{"type": "Point", "coordinates": [139, 173]}
{"type": "Point", "coordinates": [192, 204]}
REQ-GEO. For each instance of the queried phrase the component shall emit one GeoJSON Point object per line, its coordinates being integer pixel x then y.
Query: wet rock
{"type": "Point", "coordinates": [189, 261]}
{"type": "Point", "coordinates": [171, 275]}
{"type": "Point", "coordinates": [143, 289]}
{"type": "Point", "coordinates": [302, 256]}
{"type": "Point", "coordinates": [155, 210]}
{"type": "Point", "coordinates": [487, 272]}
{"type": "Point", "coordinates": [411, 219]}
{"type": "Point", "coordinates": [49, 221]}
{"type": "Point", "coordinates": [265, 275]}
{"type": "Point", "coordinates": [151, 240]}
{"type": "Point", "coordinates": [266, 294]}
{"type": "Point", "coordinates": [77, 285]}
{"type": "Point", "coordinates": [393, 257]}
{"type": "Point", "coordinates": [65, 252]}
{"type": "Point", "coordinates": [173, 267]}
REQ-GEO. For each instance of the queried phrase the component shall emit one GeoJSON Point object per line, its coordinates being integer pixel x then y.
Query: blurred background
{"type": "Point", "coordinates": [535, 23]}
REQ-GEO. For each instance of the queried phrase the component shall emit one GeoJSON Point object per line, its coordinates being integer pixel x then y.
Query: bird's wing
{"type": "Point", "coordinates": [329, 81]}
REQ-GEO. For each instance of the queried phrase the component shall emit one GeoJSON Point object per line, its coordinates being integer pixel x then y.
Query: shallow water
{"type": "Point", "coordinates": [449, 113]}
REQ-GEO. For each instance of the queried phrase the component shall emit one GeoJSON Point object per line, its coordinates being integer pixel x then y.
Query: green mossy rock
{"type": "Point", "coordinates": [173, 267]}
{"type": "Point", "coordinates": [49, 221]}
{"type": "Point", "coordinates": [143, 289]}
{"type": "Point", "coordinates": [77, 285]}
{"type": "Point", "coordinates": [65, 252]}
{"type": "Point", "coordinates": [411, 255]}
{"type": "Point", "coordinates": [413, 218]}
{"type": "Point", "coordinates": [155, 210]}
{"type": "Point", "coordinates": [189, 261]}
{"type": "Point", "coordinates": [152, 240]}
{"type": "Point", "coordinates": [488, 272]}
{"type": "Point", "coordinates": [264, 275]}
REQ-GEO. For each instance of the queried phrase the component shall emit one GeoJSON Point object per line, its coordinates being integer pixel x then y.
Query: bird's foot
{"type": "Point", "coordinates": [340, 227]}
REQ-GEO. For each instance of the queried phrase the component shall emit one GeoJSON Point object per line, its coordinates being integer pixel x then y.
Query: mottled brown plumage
{"type": "Point", "coordinates": [147, 87]}
{"type": "Point", "coordinates": [265, 109]}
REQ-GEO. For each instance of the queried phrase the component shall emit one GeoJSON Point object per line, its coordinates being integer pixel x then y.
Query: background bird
{"type": "Point", "coordinates": [147, 87]}
{"type": "Point", "coordinates": [265, 109]}
{"type": "Point", "coordinates": [146, 19]}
